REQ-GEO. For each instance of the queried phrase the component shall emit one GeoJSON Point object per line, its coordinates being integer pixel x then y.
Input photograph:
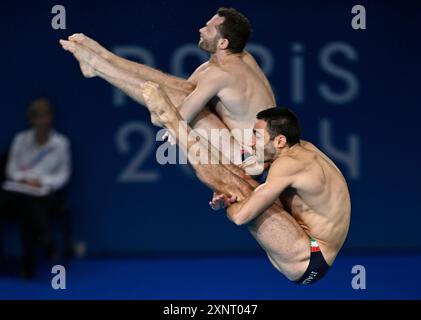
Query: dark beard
{"type": "Point", "coordinates": [208, 46]}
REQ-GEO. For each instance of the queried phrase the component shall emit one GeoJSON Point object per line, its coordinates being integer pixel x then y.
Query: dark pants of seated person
{"type": "Point", "coordinates": [32, 214]}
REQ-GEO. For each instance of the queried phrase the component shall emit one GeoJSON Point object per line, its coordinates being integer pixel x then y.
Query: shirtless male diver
{"type": "Point", "coordinates": [225, 92]}
{"type": "Point", "coordinates": [303, 239]}
{"type": "Point", "coordinates": [232, 85]}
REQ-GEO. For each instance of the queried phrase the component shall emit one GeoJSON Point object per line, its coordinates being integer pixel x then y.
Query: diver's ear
{"type": "Point", "coordinates": [223, 43]}
{"type": "Point", "coordinates": [280, 141]}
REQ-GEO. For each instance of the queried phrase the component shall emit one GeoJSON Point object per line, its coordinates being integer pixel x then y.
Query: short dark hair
{"type": "Point", "coordinates": [236, 28]}
{"type": "Point", "coordinates": [281, 121]}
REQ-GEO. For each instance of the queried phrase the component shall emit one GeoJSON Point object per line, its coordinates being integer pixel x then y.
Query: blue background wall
{"type": "Point", "coordinates": [356, 92]}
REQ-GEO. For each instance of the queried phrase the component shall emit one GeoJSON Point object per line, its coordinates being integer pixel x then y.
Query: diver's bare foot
{"type": "Point", "coordinates": [83, 55]}
{"type": "Point", "coordinates": [159, 104]}
{"type": "Point", "coordinates": [91, 44]}
{"type": "Point", "coordinates": [156, 121]}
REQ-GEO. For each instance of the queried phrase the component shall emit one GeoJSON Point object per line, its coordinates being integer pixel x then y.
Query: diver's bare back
{"type": "Point", "coordinates": [321, 203]}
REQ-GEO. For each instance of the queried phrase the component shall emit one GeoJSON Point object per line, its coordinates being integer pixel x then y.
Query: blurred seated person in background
{"type": "Point", "coordinates": [37, 169]}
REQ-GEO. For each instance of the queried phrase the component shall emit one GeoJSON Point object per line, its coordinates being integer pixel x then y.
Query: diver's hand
{"type": "Point", "coordinates": [222, 201]}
